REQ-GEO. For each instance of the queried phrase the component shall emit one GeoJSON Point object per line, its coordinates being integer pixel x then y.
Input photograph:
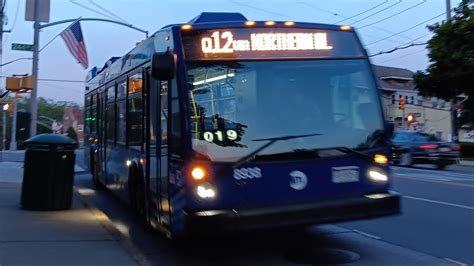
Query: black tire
{"type": "Point", "coordinates": [137, 197]}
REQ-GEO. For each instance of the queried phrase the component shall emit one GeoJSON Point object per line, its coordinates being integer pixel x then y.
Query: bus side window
{"type": "Point", "coordinates": [176, 137]}
{"type": "Point", "coordinates": [110, 131]}
{"type": "Point", "coordinates": [164, 112]}
{"type": "Point", "coordinates": [134, 119]}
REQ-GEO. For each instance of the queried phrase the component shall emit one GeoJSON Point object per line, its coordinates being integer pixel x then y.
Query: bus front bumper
{"type": "Point", "coordinates": [362, 207]}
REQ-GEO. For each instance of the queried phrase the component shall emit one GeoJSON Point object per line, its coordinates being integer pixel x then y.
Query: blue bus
{"type": "Point", "coordinates": [225, 124]}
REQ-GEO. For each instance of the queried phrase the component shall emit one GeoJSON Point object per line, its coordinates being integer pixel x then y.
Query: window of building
{"type": "Point", "coordinates": [393, 98]}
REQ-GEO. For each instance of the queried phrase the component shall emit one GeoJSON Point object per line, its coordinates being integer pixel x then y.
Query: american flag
{"type": "Point", "coordinates": [72, 36]}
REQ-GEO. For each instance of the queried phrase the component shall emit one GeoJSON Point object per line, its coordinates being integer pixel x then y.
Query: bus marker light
{"type": "Point", "coordinates": [289, 23]}
{"type": "Point", "coordinates": [377, 175]}
{"type": "Point", "coordinates": [346, 27]}
{"type": "Point", "coordinates": [270, 23]}
{"type": "Point", "coordinates": [198, 173]}
{"type": "Point", "coordinates": [250, 23]}
{"type": "Point", "coordinates": [380, 159]}
{"type": "Point", "coordinates": [186, 27]}
{"type": "Point", "coordinates": [204, 192]}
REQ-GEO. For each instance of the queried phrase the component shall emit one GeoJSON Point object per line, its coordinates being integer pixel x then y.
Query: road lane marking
{"type": "Point", "coordinates": [366, 234]}
{"type": "Point", "coordinates": [435, 181]}
{"type": "Point", "coordinates": [455, 262]}
{"type": "Point", "coordinates": [440, 202]}
{"type": "Point", "coordinates": [463, 176]}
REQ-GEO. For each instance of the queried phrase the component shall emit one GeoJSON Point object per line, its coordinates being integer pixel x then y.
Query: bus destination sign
{"type": "Point", "coordinates": [264, 43]}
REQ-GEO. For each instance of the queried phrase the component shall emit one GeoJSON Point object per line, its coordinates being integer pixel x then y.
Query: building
{"type": "Point", "coordinates": [426, 114]}
{"type": "Point", "coordinates": [74, 117]}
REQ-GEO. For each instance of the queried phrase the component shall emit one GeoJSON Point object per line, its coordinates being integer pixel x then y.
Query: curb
{"type": "Point", "coordinates": [109, 226]}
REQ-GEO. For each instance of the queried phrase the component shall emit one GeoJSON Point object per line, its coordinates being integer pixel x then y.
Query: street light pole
{"type": "Point", "coordinates": [454, 132]}
{"type": "Point", "coordinates": [13, 138]}
{"type": "Point", "coordinates": [34, 73]}
{"type": "Point", "coordinates": [4, 135]}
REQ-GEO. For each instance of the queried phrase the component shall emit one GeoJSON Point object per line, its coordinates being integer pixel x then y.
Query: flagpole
{"type": "Point", "coordinates": [79, 19]}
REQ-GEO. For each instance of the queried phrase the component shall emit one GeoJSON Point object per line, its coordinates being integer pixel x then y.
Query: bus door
{"type": "Point", "coordinates": [157, 149]}
{"type": "Point", "coordinates": [162, 153]}
{"type": "Point", "coordinates": [100, 134]}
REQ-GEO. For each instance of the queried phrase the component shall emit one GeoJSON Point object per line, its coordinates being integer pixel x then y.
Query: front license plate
{"type": "Point", "coordinates": [345, 174]}
{"type": "Point", "coordinates": [444, 149]}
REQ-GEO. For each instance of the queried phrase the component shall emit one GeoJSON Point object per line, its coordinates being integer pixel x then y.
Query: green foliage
{"type": "Point", "coordinates": [451, 53]}
{"type": "Point", "coordinates": [72, 134]}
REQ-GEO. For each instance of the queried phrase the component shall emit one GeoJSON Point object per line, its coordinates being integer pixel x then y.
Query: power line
{"type": "Point", "coordinates": [421, 23]}
{"type": "Point", "coordinates": [341, 16]}
{"type": "Point", "coordinates": [373, 14]}
{"type": "Point", "coordinates": [320, 9]}
{"type": "Point", "coordinates": [363, 12]}
{"type": "Point", "coordinates": [14, 20]}
{"type": "Point", "coordinates": [107, 11]}
{"type": "Point", "coordinates": [91, 9]}
{"type": "Point", "coordinates": [261, 9]}
{"type": "Point", "coordinates": [393, 15]}
{"type": "Point", "coordinates": [54, 80]}
{"type": "Point", "coordinates": [398, 48]}
{"type": "Point", "coordinates": [63, 80]}
{"type": "Point", "coordinates": [403, 56]}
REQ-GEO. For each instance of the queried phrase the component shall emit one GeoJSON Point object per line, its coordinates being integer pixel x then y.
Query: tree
{"type": "Point", "coordinates": [451, 53]}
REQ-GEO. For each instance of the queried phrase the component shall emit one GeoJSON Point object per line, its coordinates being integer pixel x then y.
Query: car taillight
{"type": "Point", "coordinates": [429, 146]}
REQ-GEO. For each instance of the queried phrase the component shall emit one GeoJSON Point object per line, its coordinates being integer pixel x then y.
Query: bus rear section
{"type": "Point", "coordinates": [285, 126]}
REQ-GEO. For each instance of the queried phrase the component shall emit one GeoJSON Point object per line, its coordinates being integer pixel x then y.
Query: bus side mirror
{"type": "Point", "coordinates": [163, 66]}
{"type": "Point", "coordinates": [389, 129]}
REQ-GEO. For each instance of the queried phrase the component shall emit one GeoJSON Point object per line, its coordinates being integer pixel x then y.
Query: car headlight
{"type": "Point", "coordinates": [377, 175]}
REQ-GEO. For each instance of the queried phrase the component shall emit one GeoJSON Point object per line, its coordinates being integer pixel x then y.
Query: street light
{"type": "Point", "coordinates": [5, 107]}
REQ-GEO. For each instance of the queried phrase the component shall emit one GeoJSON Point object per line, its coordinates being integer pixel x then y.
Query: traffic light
{"type": "Point", "coordinates": [401, 104]}
{"type": "Point", "coordinates": [19, 84]}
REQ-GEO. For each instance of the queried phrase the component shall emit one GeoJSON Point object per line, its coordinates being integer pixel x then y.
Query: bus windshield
{"type": "Point", "coordinates": [234, 104]}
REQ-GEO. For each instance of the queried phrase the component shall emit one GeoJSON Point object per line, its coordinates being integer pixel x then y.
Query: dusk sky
{"type": "Point", "coordinates": [104, 40]}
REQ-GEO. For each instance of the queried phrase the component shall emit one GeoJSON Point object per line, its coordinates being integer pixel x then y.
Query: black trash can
{"type": "Point", "coordinates": [48, 172]}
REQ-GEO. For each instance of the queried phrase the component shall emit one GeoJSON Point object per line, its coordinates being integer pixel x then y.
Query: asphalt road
{"type": "Point", "coordinates": [438, 213]}
{"type": "Point", "coordinates": [436, 228]}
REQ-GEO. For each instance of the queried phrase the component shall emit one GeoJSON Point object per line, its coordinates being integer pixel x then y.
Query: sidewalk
{"type": "Point", "coordinates": [79, 236]}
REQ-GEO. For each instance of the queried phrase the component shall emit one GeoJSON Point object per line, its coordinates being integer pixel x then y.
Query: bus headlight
{"type": "Point", "coordinates": [205, 191]}
{"type": "Point", "coordinates": [377, 175]}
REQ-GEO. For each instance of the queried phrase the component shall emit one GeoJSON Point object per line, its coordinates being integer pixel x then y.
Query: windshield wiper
{"type": "Point", "coordinates": [354, 152]}
{"type": "Point", "coordinates": [272, 140]}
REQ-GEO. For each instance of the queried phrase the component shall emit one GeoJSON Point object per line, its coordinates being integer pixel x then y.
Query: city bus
{"type": "Point", "coordinates": [223, 124]}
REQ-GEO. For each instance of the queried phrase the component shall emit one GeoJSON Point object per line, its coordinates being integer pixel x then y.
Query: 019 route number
{"type": "Point", "coordinates": [211, 136]}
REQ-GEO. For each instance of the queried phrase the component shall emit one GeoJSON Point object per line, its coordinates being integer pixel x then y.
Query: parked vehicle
{"type": "Point", "coordinates": [411, 147]}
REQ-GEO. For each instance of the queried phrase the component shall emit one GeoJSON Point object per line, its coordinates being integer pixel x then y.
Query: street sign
{"type": "Point", "coordinates": [22, 47]}
{"type": "Point", "coordinates": [42, 12]}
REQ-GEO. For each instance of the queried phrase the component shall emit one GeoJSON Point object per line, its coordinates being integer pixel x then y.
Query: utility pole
{"type": "Point", "coordinates": [34, 72]}
{"type": "Point", "coordinates": [13, 137]}
{"type": "Point", "coordinates": [2, 15]}
{"type": "Point", "coordinates": [454, 131]}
